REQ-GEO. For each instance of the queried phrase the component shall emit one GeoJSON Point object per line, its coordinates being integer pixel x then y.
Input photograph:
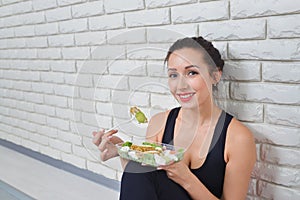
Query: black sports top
{"type": "Point", "coordinates": [147, 183]}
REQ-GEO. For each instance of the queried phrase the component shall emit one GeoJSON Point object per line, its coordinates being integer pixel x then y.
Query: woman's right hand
{"type": "Point", "coordinates": [106, 143]}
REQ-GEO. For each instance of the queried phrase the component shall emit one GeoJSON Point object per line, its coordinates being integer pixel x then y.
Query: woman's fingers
{"type": "Point", "coordinates": [97, 136]}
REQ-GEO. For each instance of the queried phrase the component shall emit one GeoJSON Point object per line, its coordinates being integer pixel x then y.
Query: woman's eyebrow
{"type": "Point", "coordinates": [190, 66]}
{"type": "Point", "coordinates": [187, 67]}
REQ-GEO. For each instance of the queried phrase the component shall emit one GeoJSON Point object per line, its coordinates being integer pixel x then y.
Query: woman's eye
{"type": "Point", "coordinates": [172, 76]}
{"type": "Point", "coordinates": [192, 73]}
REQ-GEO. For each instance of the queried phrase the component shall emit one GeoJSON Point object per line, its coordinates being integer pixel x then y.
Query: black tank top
{"type": "Point", "coordinates": [147, 183]}
{"type": "Point", "coordinates": [212, 172]}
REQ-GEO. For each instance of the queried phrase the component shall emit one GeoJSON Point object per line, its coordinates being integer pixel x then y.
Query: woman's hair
{"type": "Point", "coordinates": [210, 54]}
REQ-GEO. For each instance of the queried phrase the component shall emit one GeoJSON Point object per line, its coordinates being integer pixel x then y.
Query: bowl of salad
{"type": "Point", "coordinates": [150, 153]}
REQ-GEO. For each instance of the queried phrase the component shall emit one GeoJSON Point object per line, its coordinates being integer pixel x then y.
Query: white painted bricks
{"type": "Point", "coordinates": [69, 67]}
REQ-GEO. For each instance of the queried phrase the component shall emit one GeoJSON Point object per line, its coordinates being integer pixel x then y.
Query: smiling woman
{"type": "Point", "coordinates": [220, 150]}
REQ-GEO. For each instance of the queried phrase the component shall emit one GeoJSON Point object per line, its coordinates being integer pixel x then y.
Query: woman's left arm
{"type": "Point", "coordinates": [240, 156]}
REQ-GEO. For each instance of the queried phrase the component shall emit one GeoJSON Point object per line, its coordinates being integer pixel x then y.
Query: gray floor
{"type": "Point", "coordinates": [24, 177]}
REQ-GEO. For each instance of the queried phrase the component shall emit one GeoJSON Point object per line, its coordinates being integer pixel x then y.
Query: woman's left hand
{"type": "Point", "coordinates": [178, 172]}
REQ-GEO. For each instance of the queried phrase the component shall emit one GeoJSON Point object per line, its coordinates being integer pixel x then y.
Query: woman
{"type": "Point", "coordinates": [220, 151]}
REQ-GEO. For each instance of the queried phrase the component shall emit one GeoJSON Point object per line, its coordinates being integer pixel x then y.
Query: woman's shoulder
{"type": "Point", "coordinates": [239, 137]}
{"type": "Point", "coordinates": [156, 125]}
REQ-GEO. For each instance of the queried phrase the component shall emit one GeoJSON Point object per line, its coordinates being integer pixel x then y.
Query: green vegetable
{"type": "Point", "coordinates": [152, 144]}
{"type": "Point", "coordinates": [127, 144]}
{"type": "Point", "coordinates": [140, 117]}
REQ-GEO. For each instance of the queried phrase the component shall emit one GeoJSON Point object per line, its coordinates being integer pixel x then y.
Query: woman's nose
{"type": "Point", "coordinates": [182, 83]}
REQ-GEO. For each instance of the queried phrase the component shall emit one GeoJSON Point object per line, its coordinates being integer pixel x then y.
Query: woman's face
{"type": "Point", "coordinates": [189, 79]}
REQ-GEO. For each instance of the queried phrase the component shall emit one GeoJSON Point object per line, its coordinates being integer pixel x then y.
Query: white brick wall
{"type": "Point", "coordinates": [68, 67]}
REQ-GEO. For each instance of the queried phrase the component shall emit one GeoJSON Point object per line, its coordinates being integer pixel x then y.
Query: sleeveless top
{"type": "Point", "coordinates": [147, 183]}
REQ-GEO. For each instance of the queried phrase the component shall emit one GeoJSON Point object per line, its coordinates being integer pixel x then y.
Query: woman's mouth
{"type": "Point", "coordinates": [185, 97]}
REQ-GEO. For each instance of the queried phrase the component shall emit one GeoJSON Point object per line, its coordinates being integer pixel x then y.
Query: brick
{"type": "Point", "coordinates": [102, 95]}
{"type": "Point", "coordinates": [241, 9]}
{"type": "Point", "coordinates": [69, 137]}
{"type": "Point", "coordinates": [42, 5]}
{"type": "Point", "coordinates": [24, 31]}
{"type": "Point", "coordinates": [63, 66]}
{"type": "Point", "coordinates": [83, 105]}
{"type": "Point", "coordinates": [267, 93]}
{"type": "Point", "coordinates": [11, 21]}
{"type": "Point", "coordinates": [91, 67]}
{"type": "Point", "coordinates": [68, 2]}
{"type": "Point", "coordinates": [113, 6]}
{"type": "Point", "coordinates": [150, 17]}
{"type": "Point", "coordinates": [163, 101]}
{"type": "Point", "coordinates": [88, 9]}
{"type": "Point", "coordinates": [280, 155]}
{"type": "Point", "coordinates": [55, 101]}
{"type": "Point", "coordinates": [234, 30]}
{"type": "Point", "coordinates": [171, 33]}
{"type": "Point", "coordinates": [106, 22]}
{"type": "Point", "coordinates": [52, 77]}
{"type": "Point", "coordinates": [101, 169]}
{"type": "Point", "coordinates": [46, 29]}
{"type": "Point", "coordinates": [74, 25]}
{"type": "Point", "coordinates": [58, 14]}
{"type": "Point", "coordinates": [58, 123]}
{"type": "Point", "coordinates": [276, 134]}
{"type": "Point", "coordinates": [108, 52]}
{"type": "Point", "coordinates": [22, 105]}
{"type": "Point", "coordinates": [44, 109]}
{"type": "Point", "coordinates": [276, 192]}
{"type": "Point", "coordinates": [126, 36]}
{"type": "Point", "coordinates": [76, 53]}
{"type": "Point", "coordinates": [139, 99]}
{"type": "Point", "coordinates": [266, 50]}
{"type": "Point", "coordinates": [46, 88]}
{"type": "Point", "coordinates": [120, 96]}
{"type": "Point", "coordinates": [84, 131]}
{"type": "Point", "coordinates": [149, 84]}
{"type": "Point", "coordinates": [85, 80]}
{"type": "Point", "coordinates": [112, 82]}
{"type": "Point", "coordinates": [90, 38]}
{"type": "Point", "coordinates": [280, 175]}
{"type": "Point", "coordinates": [82, 152]}
{"type": "Point", "coordinates": [64, 90]}
{"type": "Point", "coordinates": [249, 112]}
{"type": "Point", "coordinates": [40, 139]}
{"type": "Point", "coordinates": [7, 32]}
{"type": "Point", "coordinates": [60, 145]}
{"type": "Point", "coordinates": [36, 118]}
{"type": "Point", "coordinates": [91, 119]}
{"type": "Point", "coordinates": [10, 1]}
{"type": "Point", "coordinates": [14, 9]}
{"type": "Point", "coordinates": [33, 97]}
{"type": "Point", "coordinates": [65, 113]}
{"type": "Point", "coordinates": [242, 71]}
{"type": "Point", "coordinates": [281, 72]}
{"type": "Point", "coordinates": [207, 11]}
{"type": "Point", "coordinates": [87, 93]}
{"type": "Point", "coordinates": [284, 27]}
{"type": "Point", "coordinates": [283, 115]}
{"type": "Point", "coordinates": [36, 42]}
{"type": "Point", "coordinates": [158, 3]}
{"type": "Point", "coordinates": [156, 69]}
{"type": "Point", "coordinates": [147, 51]}
{"type": "Point", "coordinates": [31, 18]}
{"type": "Point", "coordinates": [61, 40]}
{"type": "Point", "coordinates": [49, 53]}
{"type": "Point", "coordinates": [128, 67]}
{"type": "Point", "coordinates": [222, 91]}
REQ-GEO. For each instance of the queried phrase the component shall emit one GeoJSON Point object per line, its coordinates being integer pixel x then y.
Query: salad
{"type": "Point", "coordinates": [150, 153]}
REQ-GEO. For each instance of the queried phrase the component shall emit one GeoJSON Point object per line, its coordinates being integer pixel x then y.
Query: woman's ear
{"type": "Point", "coordinates": [217, 76]}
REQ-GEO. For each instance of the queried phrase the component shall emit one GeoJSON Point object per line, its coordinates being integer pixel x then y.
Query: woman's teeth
{"type": "Point", "coordinates": [185, 96]}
